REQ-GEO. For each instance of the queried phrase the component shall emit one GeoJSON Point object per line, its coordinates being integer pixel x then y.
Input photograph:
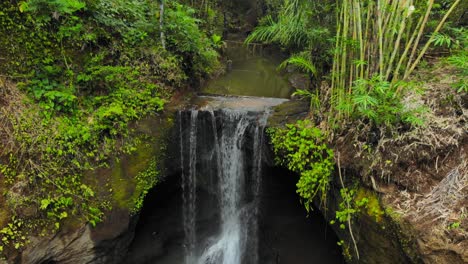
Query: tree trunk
{"type": "Point", "coordinates": [161, 24]}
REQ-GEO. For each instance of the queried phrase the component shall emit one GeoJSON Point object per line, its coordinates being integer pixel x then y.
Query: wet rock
{"type": "Point", "coordinates": [288, 112]}
{"type": "Point", "coordinates": [74, 247]}
{"type": "Point", "coordinates": [377, 236]}
{"type": "Point", "coordinates": [107, 243]}
{"type": "Point", "coordinates": [299, 81]}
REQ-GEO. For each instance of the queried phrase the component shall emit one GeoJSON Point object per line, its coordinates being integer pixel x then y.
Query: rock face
{"type": "Point", "coordinates": [74, 247]}
{"type": "Point", "coordinates": [107, 243]}
{"type": "Point", "coordinates": [288, 112]}
{"type": "Point", "coordinates": [299, 81]}
{"type": "Point", "coordinates": [377, 236]}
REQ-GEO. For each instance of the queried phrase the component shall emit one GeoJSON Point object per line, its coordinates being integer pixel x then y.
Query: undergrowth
{"type": "Point", "coordinates": [74, 75]}
{"type": "Point", "coordinates": [302, 148]}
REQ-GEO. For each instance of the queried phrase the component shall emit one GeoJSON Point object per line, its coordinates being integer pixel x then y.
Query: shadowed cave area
{"type": "Point", "coordinates": [287, 235]}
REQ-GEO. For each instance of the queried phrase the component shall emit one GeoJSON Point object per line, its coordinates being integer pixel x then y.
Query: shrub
{"type": "Point", "coordinates": [302, 149]}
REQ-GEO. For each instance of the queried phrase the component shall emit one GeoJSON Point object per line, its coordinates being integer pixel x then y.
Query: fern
{"type": "Point", "coordinates": [442, 40]}
{"type": "Point", "coordinates": [460, 61]}
{"type": "Point", "coordinates": [314, 98]}
{"type": "Point", "coordinates": [301, 61]}
{"type": "Point", "coordinates": [265, 32]}
{"type": "Point", "coordinates": [378, 101]}
{"type": "Point", "coordinates": [289, 29]}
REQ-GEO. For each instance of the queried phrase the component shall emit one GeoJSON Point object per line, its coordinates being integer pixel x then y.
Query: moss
{"type": "Point", "coordinates": [145, 181]}
{"type": "Point", "coordinates": [395, 216]}
{"type": "Point", "coordinates": [4, 216]}
{"type": "Point", "coordinates": [373, 207]}
{"type": "Point", "coordinates": [134, 175]}
{"type": "Point", "coordinates": [123, 180]}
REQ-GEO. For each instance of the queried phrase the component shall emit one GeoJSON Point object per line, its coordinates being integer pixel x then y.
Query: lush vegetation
{"type": "Point", "coordinates": [457, 41]}
{"type": "Point", "coordinates": [379, 40]}
{"type": "Point", "coordinates": [376, 47]}
{"type": "Point", "coordinates": [302, 27]}
{"type": "Point", "coordinates": [362, 78]}
{"type": "Point", "coordinates": [302, 148]}
{"type": "Point", "coordinates": [74, 75]}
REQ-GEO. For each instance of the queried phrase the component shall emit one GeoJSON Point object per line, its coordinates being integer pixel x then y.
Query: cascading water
{"type": "Point", "coordinates": [236, 152]}
{"type": "Point", "coordinates": [189, 182]}
{"type": "Point", "coordinates": [234, 211]}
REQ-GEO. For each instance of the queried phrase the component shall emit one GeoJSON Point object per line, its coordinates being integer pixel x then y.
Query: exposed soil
{"type": "Point", "coordinates": [421, 173]}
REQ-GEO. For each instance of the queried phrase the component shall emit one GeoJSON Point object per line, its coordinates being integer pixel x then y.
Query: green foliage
{"type": "Point", "coordinates": [442, 40]}
{"type": "Point", "coordinates": [457, 222]}
{"type": "Point", "coordinates": [346, 212]}
{"type": "Point", "coordinates": [287, 32]}
{"type": "Point", "coordinates": [132, 20]}
{"type": "Point", "coordinates": [302, 149]}
{"type": "Point", "coordinates": [185, 38]}
{"type": "Point", "coordinates": [298, 26]}
{"type": "Point", "coordinates": [459, 59]}
{"type": "Point", "coordinates": [12, 235]}
{"type": "Point", "coordinates": [51, 95]}
{"type": "Point", "coordinates": [302, 61]}
{"type": "Point", "coordinates": [56, 208]}
{"type": "Point", "coordinates": [376, 51]}
{"type": "Point", "coordinates": [460, 62]}
{"type": "Point", "coordinates": [380, 102]}
{"type": "Point", "coordinates": [28, 45]}
{"type": "Point", "coordinates": [355, 201]}
{"type": "Point", "coordinates": [454, 225]}
{"type": "Point", "coordinates": [89, 68]}
{"type": "Point", "coordinates": [145, 181]}
{"type": "Point", "coordinates": [217, 41]}
{"type": "Point", "coordinates": [314, 99]}
{"type": "Point", "coordinates": [293, 27]}
{"type": "Point", "coordinates": [47, 8]}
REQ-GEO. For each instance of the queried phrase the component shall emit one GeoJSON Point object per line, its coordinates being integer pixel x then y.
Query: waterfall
{"type": "Point", "coordinates": [189, 184]}
{"type": "Point", "coordinates": [235, 149]}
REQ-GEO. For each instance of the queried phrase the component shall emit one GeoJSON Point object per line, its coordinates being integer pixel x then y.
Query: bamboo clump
{"type": "Point", "coordinates": [378, 38]}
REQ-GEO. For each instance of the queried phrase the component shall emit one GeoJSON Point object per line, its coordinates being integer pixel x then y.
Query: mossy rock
{"type": "Point", "coordinates": [373, 208]}
{"type": "Point", "coordinates": [130, 176]}
{"type": "Point", "coordinates": [123, 180]}
{"type": "Point", "coordinates": [288, 112]}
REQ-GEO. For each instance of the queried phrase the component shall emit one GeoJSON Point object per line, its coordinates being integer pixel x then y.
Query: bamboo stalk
{"type": "Point", "coordinates": [353, 66]}
{"type": "Point", "coordinates": [161, 24]}
{"type": "Point", "coordinates": [344, 44]}
{"type": "Point", "coordinates": [389, 33]}
{"type": "Point", "coordinates": [361, 40]}
{"type": "Point", "coordinates": [372, 39]}
{"type": "Point", "coordinates": [423, 51]}
{"type": "Point", "coordinates": [336, 64]}
{"type": "Point", "coordinates": [367, 42]}
{"type": "Point", "coordinates": [421, 30]}
{"type": "Point", "coordinates": [380, 34]}
{"type": "Point", "coordinates": [396, 73]}
{"type": "Point", "coordinates": [396, 48]}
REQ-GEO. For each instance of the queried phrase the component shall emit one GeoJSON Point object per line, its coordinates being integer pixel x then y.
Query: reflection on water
{"type": "Point", "coordinates": [254, 77]}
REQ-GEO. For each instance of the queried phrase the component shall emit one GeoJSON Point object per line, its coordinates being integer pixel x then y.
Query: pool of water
{"type": "Point", "coordinates": [254, 76]}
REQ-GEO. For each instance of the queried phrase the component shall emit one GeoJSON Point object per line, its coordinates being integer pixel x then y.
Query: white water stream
{"type": "Point", "coordinates": [237, 241]}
